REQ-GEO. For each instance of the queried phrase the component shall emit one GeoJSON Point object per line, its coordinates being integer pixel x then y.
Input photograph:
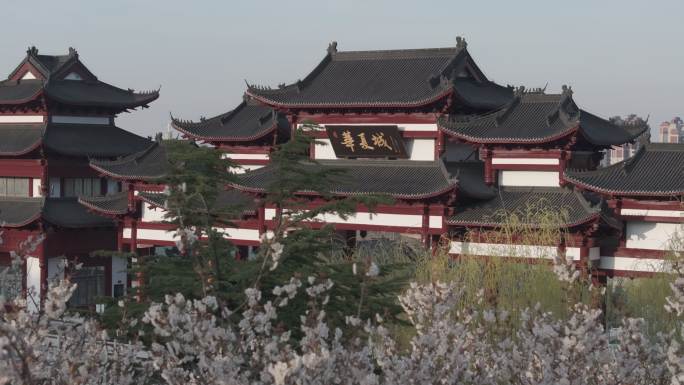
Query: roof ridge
{"type": "Point", "coordinates": [409, 53]}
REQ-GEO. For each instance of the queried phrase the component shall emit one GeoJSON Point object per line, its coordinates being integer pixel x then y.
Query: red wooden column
{"type": "Point", "coordinates": [44, 180]}
{"type": "Point", "coordinates": [486, 156]}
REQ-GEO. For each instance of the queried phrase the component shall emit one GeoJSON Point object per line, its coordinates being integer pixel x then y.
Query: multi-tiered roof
{"type": "Point", "coordinates": [63, 79]}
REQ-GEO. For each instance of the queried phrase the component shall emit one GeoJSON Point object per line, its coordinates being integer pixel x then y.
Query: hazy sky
{"type": "Point", "coordinates": [619, 56]}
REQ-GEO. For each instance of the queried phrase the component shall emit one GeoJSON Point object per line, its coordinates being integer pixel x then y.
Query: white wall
{"type": "Point", "coordinates": [241, 156]}
{"type": "Point", "coordinates": [650, 235]}
{"type": "Point", "coordinates": [420, 149]}
{"type": "Point", "coordinates": [650, 265]}
{"type": "Point", "coordinates": [33, 284]}
{"type": "Point", "coordinates": [378, 219]}
{"type": "Point", "coordinates": [21, 118]}
{"type": "Point", "coordinates": [533, 161]}
{"type": "Point", "coordinates": [28, 76]}
{"type": "Point", "coordinates": [152, 213]}
{"type": "Point", "coordinates": [324, 150]}
{"type": "Point", "coordinates": [505, 250]}
{"type": "Point", "coordinates": [36, 187]}
{"type": "Point", "coordinates": [652, 213]}
{"type": "Point", "coordinates": [170, 236]}
{"type": "Point", "coordinates": [529, 178]}
{"type": "Point", "coordinates": [245, 167]}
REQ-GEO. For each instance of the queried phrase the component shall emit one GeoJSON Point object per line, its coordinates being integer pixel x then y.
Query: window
{"type": "Point", "coordinates": [90, 283]}
{"type": "Point", "coordinates": [74, 187]}
{"type": "Point", "coordinates": [14, 187]}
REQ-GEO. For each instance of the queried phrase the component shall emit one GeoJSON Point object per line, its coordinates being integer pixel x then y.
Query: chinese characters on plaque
{"type": "Point", "coordinates": [366, 141]}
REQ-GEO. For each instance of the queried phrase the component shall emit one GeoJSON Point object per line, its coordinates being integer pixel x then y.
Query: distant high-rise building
{"type": "Point", "coordinates": [619, 153]}
{"type": "Point", "coordinates": [672, 131]}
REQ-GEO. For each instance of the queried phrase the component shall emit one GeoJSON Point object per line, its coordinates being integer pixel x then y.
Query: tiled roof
{"type": "Point", "coordinates": [19, 139]}
{"type": "Point", "coordinates": [84, 140]}
{"type": "Point", "coordinates": [75, 93]}
{"type": "Point", "coordinates": [68, 212]}
{"type": "Point", "coordinates": [150, 164]}
{"type": "Point", "coordinates": [397, 178]}
{"type": "Point", "coordinates": [537, 117]}
{"type": "Point", "coordinates": [47, 65]}
{"type": "Point", "coordinates": [157, 199]}
{"type": "Point", "coordinates": [97, 94]}
{"type": "Point", "coordinates": [62, 212]}
{"type": "Point", "coordinates": [225, 200]}
{"type": "Point", "coordinates": [248, 121]}
{"type": "Point", "coordinates": [86, 92]}
{"type": "Point", "coordinates": [92, 140]}
{"type": "Point", "coordinates": [114, 204]}
{"type": "Point", "coordinates": [470, 176]}
{"type": "Point", "coordinates": [18, 92]}
{"type": "Point", "coordinates": [18, 212]}
{"type": "Point", "coordinates": [524, 202]}
{"type": "Point", "coordinates": [657, 169]}
{"type": "Point", "coordinates": [394, 78]}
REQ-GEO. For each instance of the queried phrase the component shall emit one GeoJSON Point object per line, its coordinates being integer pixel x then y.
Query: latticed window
{"type": "Point", "coordinates": [74, 187]}
{"type": "Point", "coordinates": [14, 187]}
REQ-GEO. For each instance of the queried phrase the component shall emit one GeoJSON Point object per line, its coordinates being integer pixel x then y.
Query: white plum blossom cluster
{"type": "Point", "coordinates": [202, 342]}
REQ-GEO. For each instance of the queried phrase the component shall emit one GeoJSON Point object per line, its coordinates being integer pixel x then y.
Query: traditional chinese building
{"type": "Point", "coordinates": [459, 154]}
{"type": "Point", "coordinates": [55, 115]}
{"type": "Point", "coordinates": [646, 194]}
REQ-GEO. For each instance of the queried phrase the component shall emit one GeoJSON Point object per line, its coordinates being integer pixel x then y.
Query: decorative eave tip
{"type": "Point", "coordinates": [332, 47]}
{"type": "Point", "coordinates": [32, 51]}
{"type": "Point", "coordinates": [461, 42]}
{"type": "Point", "coordinates": [567, 90]}
{"type": "Point", "coordinates": [73, 52]}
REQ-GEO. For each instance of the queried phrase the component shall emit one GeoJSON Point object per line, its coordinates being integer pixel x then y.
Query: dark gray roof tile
{"type": "Point", "coordinates": [397, 178]}
{"type": "Point", "coordinates": [69, 213]}
{"type": "Point", "coordinates": [524, 203]}
{"type": "Point", "coordinates": [19, 139]}
{"type": "Point", "coordinates": [92, 140]}
{"type": "Point", "coordinates": [249, 121]}
{"type": "Point", "coordinates": [114, 204]}
{"type": "Point", "coordinates": [657, 169]}
{"type": "Point", "coordinates": [62, 212]}
{"type": "Point", "coordinates": [394, 78]}
{"type": "Point", "coordinates": [19, 212]}
{"type": "Point", "coordinates": [19, 92]}
{"type": "Point", "coordinates": [536, 117]}
{"type": "Point", "coordinates": [149, 165]}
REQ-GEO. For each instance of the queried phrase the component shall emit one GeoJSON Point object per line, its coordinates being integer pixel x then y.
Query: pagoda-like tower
{"type": "Point", "coordinates": [54, 116]}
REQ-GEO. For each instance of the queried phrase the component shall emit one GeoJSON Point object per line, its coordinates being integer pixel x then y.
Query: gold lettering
{"type": "Point", "coordinates": [348, 140]}
{"type": "Point", "coordinates": [380, 141]}
{"type": "Point", "coordinates": [363, 142]}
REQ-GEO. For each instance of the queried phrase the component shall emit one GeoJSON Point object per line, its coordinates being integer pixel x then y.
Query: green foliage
{"type": "Point", "coordinates": [641, 298]}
